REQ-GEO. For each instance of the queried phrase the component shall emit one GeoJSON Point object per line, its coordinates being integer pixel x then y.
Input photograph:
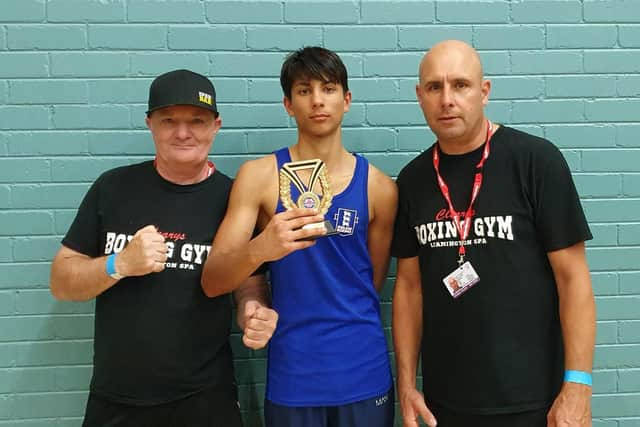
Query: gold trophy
{"type": "Point", "coordinates": [308, 198]}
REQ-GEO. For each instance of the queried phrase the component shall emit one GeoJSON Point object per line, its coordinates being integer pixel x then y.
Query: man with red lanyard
{"type": "Point", "coordinates": [137, 245]}
{"type": "Point", "coordinates": [492, 285]}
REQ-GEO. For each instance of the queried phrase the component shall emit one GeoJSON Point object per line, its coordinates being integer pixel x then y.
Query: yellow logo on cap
{"type": "Point", "coordinates": [205, 97]}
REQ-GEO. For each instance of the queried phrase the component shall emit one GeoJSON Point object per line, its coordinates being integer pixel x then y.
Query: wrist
{"type": "Point", "coordinates": [241, 320]}
{"type": "Point", "coordinates": [111, 268]}
{"type": "Point", "coordinates": [406, 383]}
{"type": "Point", "coordinates": [256, 251]}
{"type": "Point", "coordinates": [578, 377]}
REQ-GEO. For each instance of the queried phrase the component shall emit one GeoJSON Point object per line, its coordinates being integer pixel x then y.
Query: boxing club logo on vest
{"type": "Point", "coordinates": [346, 220]}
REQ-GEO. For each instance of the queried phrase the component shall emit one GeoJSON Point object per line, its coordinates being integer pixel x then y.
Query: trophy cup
{"type": "Point", "coordinates": [308, 198]}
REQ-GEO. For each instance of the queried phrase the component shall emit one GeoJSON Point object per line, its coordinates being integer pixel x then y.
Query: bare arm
{"type": "Point", "coordinates": [255, 288]}
{"type": "Point", "coordinates": [234, 254]}
{"type": "Point", "coordinates": [77, 277]}
{"type": "Point", "coordinates": [577, 318]}
{"type": "Point", "coordinates": [231, 261]}
{"type": "Point", "coordinates": [577, 306]}
{"type": "Point", "coordinates": [407, 337]}
{"type": "Point", "coordinates": [383, 196]}
{"type": "Point", "coordinates": [407, 319]}
{"type": "Point", "coordinates": [254, 315]}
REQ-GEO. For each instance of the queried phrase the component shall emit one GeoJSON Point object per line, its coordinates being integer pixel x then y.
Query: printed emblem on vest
{"type": "Point", "coordinates": [346, 220]}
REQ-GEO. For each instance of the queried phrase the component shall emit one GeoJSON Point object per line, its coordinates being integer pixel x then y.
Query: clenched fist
{"type": "Point", "coordinates": [146, 253]}
{"type": "Point", "coordinates": [259, 324]}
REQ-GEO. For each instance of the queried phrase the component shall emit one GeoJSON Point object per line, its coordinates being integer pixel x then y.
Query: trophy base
{"type": "Point", "coordinates": [326, 224]}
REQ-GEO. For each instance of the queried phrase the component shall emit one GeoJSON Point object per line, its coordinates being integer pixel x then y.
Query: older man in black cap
{"type": "Point", "coordinates": [139, 240]}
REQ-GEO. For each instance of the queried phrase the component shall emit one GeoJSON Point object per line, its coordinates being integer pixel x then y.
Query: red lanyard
{"type": "Point", "coordinates": [210, 170]}
{"type": "Point", "coordinates": [464, 226]}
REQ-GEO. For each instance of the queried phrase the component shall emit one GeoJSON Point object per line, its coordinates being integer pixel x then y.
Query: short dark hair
{"type": "Point", "coordinates": [312, 62]}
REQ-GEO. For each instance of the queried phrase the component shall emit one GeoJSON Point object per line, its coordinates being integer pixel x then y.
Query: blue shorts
{"type": "Point", "coordinates": [374, 412]}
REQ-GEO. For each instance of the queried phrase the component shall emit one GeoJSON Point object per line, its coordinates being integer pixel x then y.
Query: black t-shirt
{"type": "Point", "coordinates": [158, 337]}
{"type": "Point", "coordinates": [498, 347]}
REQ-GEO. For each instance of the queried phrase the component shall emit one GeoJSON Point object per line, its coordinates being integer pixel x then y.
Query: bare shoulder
{"type": "Point", "coordinates": [255, 170]}
{"type": "Point", "coordinates": [252, 179]}
{"type": "Point", "coordinates": [381, 185]}
{"type": "Point", "coordinates": [383, 195]}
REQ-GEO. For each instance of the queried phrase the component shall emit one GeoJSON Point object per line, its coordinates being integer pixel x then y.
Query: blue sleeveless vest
{"type": "Point", "coordinates": [329, 347]}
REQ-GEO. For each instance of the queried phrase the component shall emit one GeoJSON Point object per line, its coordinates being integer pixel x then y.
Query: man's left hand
{"type": "Point", "coordinates": [259, 324]}
{"type": "Point", "coordinates": [572, 407]}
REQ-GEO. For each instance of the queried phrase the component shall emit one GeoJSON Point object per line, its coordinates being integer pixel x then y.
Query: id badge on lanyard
{"type": "Point", "coordinates": [464, 276]}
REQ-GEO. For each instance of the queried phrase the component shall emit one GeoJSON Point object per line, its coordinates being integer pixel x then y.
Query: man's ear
{"type": "Point", "coordinates": [418, 94]}
{"type": "Point", "coordinates": [287, 105]}
{"type": "Point", "coordinates": [347, 101]}
{"type": "Point", "coordinates": [217, 123]}
{"type": "Point", "coordinates": [486, 89]}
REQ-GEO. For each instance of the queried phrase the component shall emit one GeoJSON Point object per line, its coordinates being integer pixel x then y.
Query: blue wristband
{"type": "Point", "coordinates": [579, 377]}
{"type": "Point", "coordinates": [111, 265]}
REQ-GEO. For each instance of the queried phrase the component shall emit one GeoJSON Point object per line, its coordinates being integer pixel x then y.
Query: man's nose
{"type": "Point", "coordinates": [182, 131]}
{"type": "Point", "coordinates": [317, 97]}
{"type": "Point", "coordinates": [447, 96]}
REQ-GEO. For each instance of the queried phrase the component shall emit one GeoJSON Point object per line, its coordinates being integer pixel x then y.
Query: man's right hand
{"type": "Point", "coordinates": [146, 253]}
{"type": "Point", "coordinates": [413, 406]}
{"type": "Point", "coordinates": [284, 233]}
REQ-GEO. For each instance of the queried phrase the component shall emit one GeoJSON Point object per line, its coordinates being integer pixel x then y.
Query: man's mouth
{"type": "Point", "coordinates": [319, 116]}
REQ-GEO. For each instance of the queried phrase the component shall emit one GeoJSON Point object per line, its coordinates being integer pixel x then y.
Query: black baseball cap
{"type": "Point", "coordinates": [182, 87]}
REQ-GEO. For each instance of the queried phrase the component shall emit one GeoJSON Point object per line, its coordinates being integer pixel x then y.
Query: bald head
{"type": "Point", "coordinates": [452, 56]}
{"type": "Point", "coordinates": [452, 94]}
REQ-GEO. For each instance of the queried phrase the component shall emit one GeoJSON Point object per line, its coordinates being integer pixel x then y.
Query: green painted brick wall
{"type": "Point", "coordinates": [73, 81]}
